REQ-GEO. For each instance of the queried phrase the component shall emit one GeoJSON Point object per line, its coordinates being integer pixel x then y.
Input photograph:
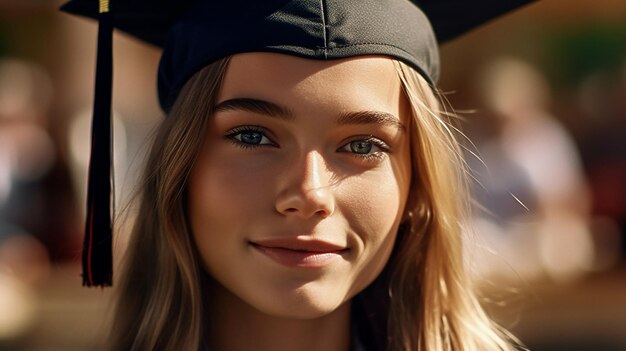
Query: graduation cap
{"type": "Point", "coordinates": [194, 33]}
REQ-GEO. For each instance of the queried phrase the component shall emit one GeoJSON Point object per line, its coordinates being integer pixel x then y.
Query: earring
{"type": "Point", "coordinates": [408, 216]}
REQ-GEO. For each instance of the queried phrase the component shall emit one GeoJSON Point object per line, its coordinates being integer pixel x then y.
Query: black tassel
{"type": "Point", "coordinates": [98, 245]}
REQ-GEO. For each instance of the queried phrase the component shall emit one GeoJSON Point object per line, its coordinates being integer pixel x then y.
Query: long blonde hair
{"type": "Point", "coordinates": [430, 303]}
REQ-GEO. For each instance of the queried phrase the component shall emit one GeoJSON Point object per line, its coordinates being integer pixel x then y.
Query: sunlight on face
{"type": "Point", "coordinates": [297, 194]}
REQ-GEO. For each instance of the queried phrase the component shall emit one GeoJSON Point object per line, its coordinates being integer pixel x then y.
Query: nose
{"type": "Point", "coordinates": [306, 191]}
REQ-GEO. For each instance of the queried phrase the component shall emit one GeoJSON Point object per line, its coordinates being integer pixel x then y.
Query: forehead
{"type": "Point", "coordinates": [353, 83]}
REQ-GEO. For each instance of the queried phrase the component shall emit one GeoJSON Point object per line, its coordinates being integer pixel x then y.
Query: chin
{"type": "Point", "coordinates": [301, 303]}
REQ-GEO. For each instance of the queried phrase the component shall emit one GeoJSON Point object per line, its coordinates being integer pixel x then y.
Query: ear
{"type": "Point", "coordinates": [417, 212]}
{"type": "Point", "coordinates": [412, 202]}
{"type": "Point", "coordinates": [408, 216]}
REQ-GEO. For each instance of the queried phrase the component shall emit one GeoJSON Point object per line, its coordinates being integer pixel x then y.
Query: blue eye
{"type": "Point", "coordinates": [361, 147]}
{"type": "Point", "coordinates": [249, 137]}
{"type": "Point", "coordinates": [367, 148]}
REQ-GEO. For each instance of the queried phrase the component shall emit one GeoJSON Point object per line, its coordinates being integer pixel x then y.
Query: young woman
{"type": "Point", "coordinates": [274, 195]}
{"type": "Point", "coordinates": [296, 202]}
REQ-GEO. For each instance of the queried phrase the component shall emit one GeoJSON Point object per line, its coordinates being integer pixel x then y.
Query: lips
{"type": "Point", "coordinates": [300, 253]}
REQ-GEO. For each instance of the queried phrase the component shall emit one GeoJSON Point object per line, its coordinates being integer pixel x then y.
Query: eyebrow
{"type": "Point", "coordinates": [255, 106]}
{"type": "Point", "coordinates": [371, 117]}
{"type": "Point", "coordinates": [274, 110]}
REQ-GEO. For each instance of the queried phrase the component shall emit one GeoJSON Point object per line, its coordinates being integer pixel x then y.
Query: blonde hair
{"type": "Point", "coordinates": [431, 305]}
{"type": "Point", "coordinates": [159, 298]}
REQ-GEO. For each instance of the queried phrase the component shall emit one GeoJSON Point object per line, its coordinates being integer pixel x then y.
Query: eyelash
{"type": "Point", "coordinates": [373, 156]}
{"type": "Point", "coordinates": [239, 130]}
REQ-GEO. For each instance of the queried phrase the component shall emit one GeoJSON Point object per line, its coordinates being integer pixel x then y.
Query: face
{"type": "Point", "coordinates": [301, 183]}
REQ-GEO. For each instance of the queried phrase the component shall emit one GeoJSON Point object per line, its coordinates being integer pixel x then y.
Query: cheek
{"type": "Point", "coordinates": [374, 209]}
{"type": "Point", "coordinates": [224, 185]}
{"type": "Point", "coordinates": [222, 192]}
{"type": "Point", "coordinates": [375, 201]}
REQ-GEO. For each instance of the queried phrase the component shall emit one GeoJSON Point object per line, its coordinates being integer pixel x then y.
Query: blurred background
{"type": "Point", "coordinates": [541, 94]}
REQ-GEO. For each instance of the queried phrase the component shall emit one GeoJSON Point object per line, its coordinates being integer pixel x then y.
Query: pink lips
{"type": "Point", "coordinates": [300, 253]}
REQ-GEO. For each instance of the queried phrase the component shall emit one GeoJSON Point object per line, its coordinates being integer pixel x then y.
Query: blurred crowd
{"type": "Point", "coordinates": [545, 209]}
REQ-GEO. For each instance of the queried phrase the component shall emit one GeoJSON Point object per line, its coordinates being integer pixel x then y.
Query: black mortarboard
{"type": "Point", "coordinates": [194, 33]}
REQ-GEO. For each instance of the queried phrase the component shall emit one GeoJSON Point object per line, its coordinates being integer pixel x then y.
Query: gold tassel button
{"type": "Point", "coordinates": [104, 6]}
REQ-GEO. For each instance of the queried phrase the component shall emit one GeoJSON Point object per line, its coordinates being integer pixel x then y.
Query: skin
{"type": "Point", "coordinates": [307, 181]}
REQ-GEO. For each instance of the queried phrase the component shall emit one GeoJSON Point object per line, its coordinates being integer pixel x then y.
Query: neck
{"type": "Point", "coordinates": [234, 326]}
